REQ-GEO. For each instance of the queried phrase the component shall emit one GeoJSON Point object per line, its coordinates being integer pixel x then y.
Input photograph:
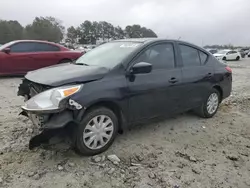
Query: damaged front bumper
{"type": "Point", "coordinates": [48, 126]}
{"type": "Point", "coordinates": [50, 121]}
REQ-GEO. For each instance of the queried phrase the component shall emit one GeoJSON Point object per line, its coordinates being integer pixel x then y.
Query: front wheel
{"type": "Point", "coordinates": [96, 132]}
{"type": "Point", "coordinates": [237, 58]}
{"type": "Point", "coordinates": [210, 105]}
{"type": "Point", "coordinates": [224, 58]}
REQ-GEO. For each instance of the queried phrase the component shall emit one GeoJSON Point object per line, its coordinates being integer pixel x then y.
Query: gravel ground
{"type": "Point", "coordinates": [183, 151]}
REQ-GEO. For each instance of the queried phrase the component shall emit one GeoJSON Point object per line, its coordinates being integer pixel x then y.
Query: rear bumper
{"type": "Point", "coordinates": [226, 86]}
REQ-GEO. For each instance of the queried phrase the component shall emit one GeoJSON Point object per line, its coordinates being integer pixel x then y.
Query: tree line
{"type": "Point", "coordinates": [52, 29]}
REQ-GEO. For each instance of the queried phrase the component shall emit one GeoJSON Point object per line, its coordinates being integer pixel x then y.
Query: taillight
{"type": "Point", "coordinates": [228, 69]}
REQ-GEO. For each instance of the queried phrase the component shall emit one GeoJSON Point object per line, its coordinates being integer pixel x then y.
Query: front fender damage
{"type": "Point", "coordinates": [57, 125]}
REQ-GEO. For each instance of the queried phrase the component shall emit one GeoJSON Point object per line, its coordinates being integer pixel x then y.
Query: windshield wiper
{"type": "Point", "coordinates": [82, 64]}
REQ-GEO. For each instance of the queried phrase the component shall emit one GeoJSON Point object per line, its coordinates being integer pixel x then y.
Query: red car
{"type": "Point", "coordinates": [19, 57]}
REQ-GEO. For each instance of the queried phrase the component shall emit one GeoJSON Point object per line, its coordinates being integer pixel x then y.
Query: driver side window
{"type": "Point", "coordinates": [161, 56]}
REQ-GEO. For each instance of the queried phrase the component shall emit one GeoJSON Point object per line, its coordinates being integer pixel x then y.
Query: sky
{"type": "Point", "coordinates": [198, 21]}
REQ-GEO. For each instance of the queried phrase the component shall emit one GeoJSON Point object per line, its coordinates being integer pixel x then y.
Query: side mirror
{"type": "Point", "coordinates": [6, 50]}
{"type": "Point", "coordinates": [141, 68]}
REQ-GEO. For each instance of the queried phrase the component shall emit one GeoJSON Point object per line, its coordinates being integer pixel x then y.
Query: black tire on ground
{"type": "Point", "coordinates": [224, 58]}
{"type": "Point", "coordinates": [79, 144]}
{"type": "Point", "coordinates": [237, 58]}
{"type": "Point", "coordinates": [65, 61]}
{"type": "Point", "coordinates": [202, 111]}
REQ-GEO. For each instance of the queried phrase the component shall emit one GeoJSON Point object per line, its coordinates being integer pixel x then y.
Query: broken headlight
{"type": "Point", "coordinates": [50, 99]}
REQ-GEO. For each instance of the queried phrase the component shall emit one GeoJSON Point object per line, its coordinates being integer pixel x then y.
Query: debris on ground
{"type": "Point", "coordinates": [186, 156]}
{"type": "Point", "coordinates": [114, 159]}
{"type": "Point", "coordinates": [59, 167]}
{"type": "Point", "coordinates": [97, 159]}
{"type": "Point", "coordinates": [152, 175]}
{"type": "Point", "coordinates": [233, 157]}
{"type": "Point", "coordinates": [71, 164]}
{"type": "Point", "coordinates": [111, 171]}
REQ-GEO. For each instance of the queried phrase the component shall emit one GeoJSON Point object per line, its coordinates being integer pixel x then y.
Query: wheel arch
{"type": "Point", "coordinates": [219, 89]}
{"type": "Point", "coordinates": [115, 108]}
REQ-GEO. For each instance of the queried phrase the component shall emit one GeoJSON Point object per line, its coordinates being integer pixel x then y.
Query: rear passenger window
{"type": "Point", "coordinates": [190, 56]}
{"type": "Point", "coordinates": [203, 57]}
{"type": "Point", "coordinates": [43, 47]}
{"type": "Point", "coordinates": [161, 56]}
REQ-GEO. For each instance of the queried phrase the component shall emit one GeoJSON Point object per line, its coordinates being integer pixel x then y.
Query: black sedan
{"type": "Point", "coordinates": [119, 84]}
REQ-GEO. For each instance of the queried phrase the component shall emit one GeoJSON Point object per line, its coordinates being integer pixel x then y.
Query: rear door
{"type": "Point", "coordinates": [45, 55]}
{"type": "Point", "coordinates": [197, 75]}
{"type": "Point", "coordinates": [155, 93]}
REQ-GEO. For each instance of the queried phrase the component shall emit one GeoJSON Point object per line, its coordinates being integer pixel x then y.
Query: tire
{"type": "Point", "coordinates": [224, 58]}
{"type": "Point", "coordinates": [237, 58]}
{"type": "Point", "coordinates": [81, 143]}
{"type": "Point", "coordinates": [203, 111]}
{"type": "Point", "coordinates": [65, 61]}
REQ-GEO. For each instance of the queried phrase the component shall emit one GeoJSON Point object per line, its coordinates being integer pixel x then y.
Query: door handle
{"type": "Point", "coordinates": [209, 75]}
{"type": "Point", "coordinates": [173, 80]}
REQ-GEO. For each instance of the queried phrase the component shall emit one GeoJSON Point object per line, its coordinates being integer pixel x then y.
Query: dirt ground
{"type": "Point", "coordinates": [183, 151]}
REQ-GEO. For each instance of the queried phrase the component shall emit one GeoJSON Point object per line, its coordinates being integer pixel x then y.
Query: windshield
{"type": "Point", "coordinates": [222, 52]}
{"type": "Point", "coordinates": [109, 54]}
{"type": "Point", "coordinates": [6, 45]}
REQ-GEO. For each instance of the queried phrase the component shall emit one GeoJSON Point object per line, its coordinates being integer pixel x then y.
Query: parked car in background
{"type": "Point", "coordinates": [242, 53]}
{"type": "Point", "coordinates": [246, 50]}
{"type": "Point", "coordinates": [119, 84]}
{"type": "Point", "coordinates": [227, 55]}
{"type": "Point", "coordinates": [19, 57]}
{"type": "Point", "coordinates": [212, 51]}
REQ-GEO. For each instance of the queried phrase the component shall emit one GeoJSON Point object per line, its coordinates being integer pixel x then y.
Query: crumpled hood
{"type": "Point", "coordinates": [66, 73]}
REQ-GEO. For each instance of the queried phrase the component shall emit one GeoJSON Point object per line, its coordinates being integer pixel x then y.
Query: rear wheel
{"type": "Point", "coordinates": [210, 105]}
{"type": "Point", "coordinates": [96, 132]}
{"type": "Point", "coordinates": [237, 58]}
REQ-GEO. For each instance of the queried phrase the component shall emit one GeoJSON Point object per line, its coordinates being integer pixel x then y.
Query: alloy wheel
{"type": "Point", "coordinates": [212, 103]}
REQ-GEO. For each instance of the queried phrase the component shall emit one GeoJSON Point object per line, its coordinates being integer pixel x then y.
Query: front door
{"type": "Point", "coordinates": [19, 60]}
{"type": "Point", "coordinates": [155, 93]}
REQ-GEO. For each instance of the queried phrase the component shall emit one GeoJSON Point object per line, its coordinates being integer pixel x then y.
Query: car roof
{"type": "Point", "coordinates": [149, 40]}
{"type": "Point", "coordinates": [145, 40]}
{"type": "Point", "coordinates": [43, 41]}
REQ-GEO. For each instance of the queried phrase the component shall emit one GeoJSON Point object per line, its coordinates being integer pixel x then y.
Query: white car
{"type": "Point", "coordinates": [227, 55]}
